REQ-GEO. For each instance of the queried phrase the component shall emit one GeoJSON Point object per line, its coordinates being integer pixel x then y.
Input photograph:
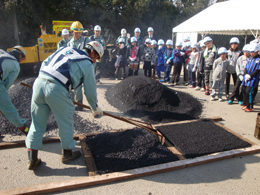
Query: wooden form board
{"type": "Point", "coordinates": [130, 174]}
{"type": "Point", "coordinates": [93, 179]}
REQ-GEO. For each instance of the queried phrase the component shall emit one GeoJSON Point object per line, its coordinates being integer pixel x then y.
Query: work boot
{"type": "Point", "coordinates": [68, 155]}
{"type": "Point", "coordinates": [34, 161]}
{"type": "Point", "coordinates": [79, 108]}
{"type": "Point", "coordinates": [24, 129]}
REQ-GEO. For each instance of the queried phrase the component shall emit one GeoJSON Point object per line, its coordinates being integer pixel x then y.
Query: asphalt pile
{"type": "Point", "coordinates": [151, 101]}
{"type": "Point", "coordinates": [21, 97]}
{"type": "Point", "coordinates": [126, 150]}
{"type": "Point", "coordinates": [201, 138]}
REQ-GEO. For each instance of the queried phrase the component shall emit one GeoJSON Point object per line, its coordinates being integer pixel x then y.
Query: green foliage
{"type": "Point", "coordinates": [162, 15]}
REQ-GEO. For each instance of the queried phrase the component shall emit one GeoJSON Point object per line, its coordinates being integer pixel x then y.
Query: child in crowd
{"type": "Point", "coordinates": [148, 57]}
{"type": "Point", "coordinates": [194, 55]}
{"type": "Point", "coordinates": [240, 67]}
{"type": "Point", "coordinates": [134, 56]}
{"type": "Point", "coordinates": [120, 58]}
{"type": "Point", "coordinates": [251, 78]}
{"type": "Point", "coordinates": [160, 58]}
{"type": "Point", "coordinates": [220, 66]}
{"type": "Point", "coordinates": [154, 45]}
{"type": "Point", "coordinates": [178, 60]}
{"type": "Point", "coordinates": [207, 59]}
{"type": "Point", "coordinates": [233, 54]}
{"type": "Point", "coordinates": [168, 61]}
{"type": "Point", "coordinates": [187, 51]}
{"type": "Point", "coordinates": [200, 76]}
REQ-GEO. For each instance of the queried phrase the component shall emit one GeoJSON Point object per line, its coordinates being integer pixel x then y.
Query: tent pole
{"type": "Point", "coordinates": [173, 36]}
{"type": "Point", "coordinates": [245, 38]}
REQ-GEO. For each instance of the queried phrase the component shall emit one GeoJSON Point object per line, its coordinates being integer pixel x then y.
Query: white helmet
{"type": "Point", "coordinates": [169, 42]}
{"type": "Point", "coordinates": [179, 43]}
{"type": "Point", "coordinates": [207, 39]}
{"type": "Point", "coordinates": [234, 40]}
{"type": "Point", "coordinates": [254, 47]}
{"type": "Point", "coordinates": [202, 44]}
{"type": "Point", "coordinates": [123, 32]}
{"type": "Point", "coordinates": [222, 50]}
{"type": "Point", "coordinates": [186, 38]}
{"type": "Point", "coordinates": [160, 42]}
{"type": "Point", "coordinates": [20, 49]}
{"type": "Point", "coordinates": [148, 41]}
{"type": "Point", "coordinates": [150, 29]}
{"type": "Point", "coordinates": [137, 30]}
{"type": "Point", "coordinates": [194, 45]}
{"type": "Point", "coordinates": [188, 44]}
{"type": "Point", "coordinates": [65, 32]}
{"type": "Point", "coordinates": [154, 42]}
{"type": "Point", "coordinates": [97, 47]}
{"type": "Point", "coordinates": [133, 39]}
{"type": "Point", "coordinates": [121, 40]}
{"type": "Point", "coordinates": [97, 28]}
{"type": "Point", "coordinates": [246, 48]}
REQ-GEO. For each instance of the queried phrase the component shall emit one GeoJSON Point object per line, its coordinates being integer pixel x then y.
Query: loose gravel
{"type": "Point", "coordinates": [143, 97]}
{"type": "Point", "coordinates": [21, 97]}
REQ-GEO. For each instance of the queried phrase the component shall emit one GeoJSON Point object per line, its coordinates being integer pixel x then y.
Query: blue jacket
{"type": "Point", "coordinates": [168, 56]}
{"type": "Point", "coordinates": [160, 55]}
{"type": "Point", "coordinates": [253, 69]}
{"type": "Point", "coordinates": [177, 58]}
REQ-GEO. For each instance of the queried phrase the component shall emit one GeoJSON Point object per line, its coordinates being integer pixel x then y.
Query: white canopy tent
{"type": "Point", "coordinates": [234, 17]}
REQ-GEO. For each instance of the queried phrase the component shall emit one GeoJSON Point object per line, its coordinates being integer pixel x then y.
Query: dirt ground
{"type": "Point", "coordinates": [233, 176]}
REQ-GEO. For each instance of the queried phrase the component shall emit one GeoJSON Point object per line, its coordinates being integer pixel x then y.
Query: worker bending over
{"type": "Point", "coordinates": [64, 70]}
{"type": "Point", "coordinates": [9, 71]}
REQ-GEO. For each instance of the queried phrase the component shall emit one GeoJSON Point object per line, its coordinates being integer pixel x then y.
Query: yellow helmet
{"type": "Point", "coordinates": [77, 27]}
{"type": "Point", "coordinates": [97, 47]}
{"type": "Point", "coordinates": [20, 49]}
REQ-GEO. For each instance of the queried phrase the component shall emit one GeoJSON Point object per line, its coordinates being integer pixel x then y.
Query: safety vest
{"type": "Point", "coordinates": [58, 66]}
{"type": "Point", "coordinates": [4, 55]}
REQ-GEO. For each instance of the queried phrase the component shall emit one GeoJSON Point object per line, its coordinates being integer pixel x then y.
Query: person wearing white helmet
{"type": "Point", "coordinates": [134, 54]}
{"type": "Point", "coordinates": [193, 58]}
{"type": "Point", "coordinates": [63, 43]}
{"type": "Point", "coordinates": [137, 33]}
{"type": "Point", "coordinates": [178, 58]}
{"type": "Point", "coordinates": [97, 37]}
{"type": "Point", "coordinates": [187, 49]}
{"type": "Point", "coordinates": [154, 45]}
{"type": "Point", "coordinates": [240, 67]}
{"type": "Point", "coordinates": [220, 66]}
{"type": "Point", "coordinates": [148, 57]}
{"type": "Point", "coordinates": [251, 78]}
{"type": "Point", "coordinates": [125, 36]}
{"type": "Point", "coordinates": [51, 94]}
{"type": "Point", "coordinates": [233, 54]}
{"type": "Point", "coordinates": [9, 71]}
{"type": "Point", "coordinates": [150, 35]}
{"type": "Point", "coordinates": [200, 76]}
{"type": "Point", "coordinates": [167, 61]}
{"type": "Point", "coordinates": [207, 58]}
{"type": "Point", "coordinates": [160, 58]}
{"type": "Point", "coordinates": [121, 58]}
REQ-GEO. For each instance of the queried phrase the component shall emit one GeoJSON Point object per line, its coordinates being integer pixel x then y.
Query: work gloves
{"type": "Point", "coordinates": [182, 53]}
{"type": "Point", "coordinates": [241, 77]}
{"type": "Point", "coordinates": [247, 77]}
{"type": "Point", "coordinates": [152, 63]}
{"type": "Point", "coordinates": [97, 112]}
{"type": "Point", "coordinates": [168, 61]}
{"type": "Point", "coordinates": [187, 67]}
{"type": "Point", "coordinates": [132, 59]}
{"type": "Point", "coordinates": [194, 69]}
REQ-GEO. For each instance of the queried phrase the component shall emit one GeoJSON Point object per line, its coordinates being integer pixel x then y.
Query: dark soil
{"type": "Point", "coordinates": [21, 97]}
{"type": "Point", "coordinates": [143, 97]}
{"type": "Point", "coordinates": [126, 150]}
{"type": "Point", "coordinates": [201, 138]}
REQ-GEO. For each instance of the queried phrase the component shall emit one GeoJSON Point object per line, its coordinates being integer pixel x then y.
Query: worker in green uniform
{"type": "Point", "coordinates": [63, 43]}
{"type": "Point", "coordinates": [78, 42]}
{"type": "Point", "coordinates": [97, 37]}
{"type": "Point", "coordinates": [125, 36]}
{"type": "Point", "coordinates": [9, 71]}
{"type": "Point", "coordinates": [64, 70]}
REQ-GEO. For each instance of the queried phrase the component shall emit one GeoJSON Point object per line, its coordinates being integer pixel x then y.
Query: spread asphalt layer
{"type": "Point", "coordinates": [201, 138]}
{"type": "Point", "coordinates": [126, 150]}
{"type": "Point", "coordinates": [143, 97]}
{"type": "Point", "coordinates": [21, 97]}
